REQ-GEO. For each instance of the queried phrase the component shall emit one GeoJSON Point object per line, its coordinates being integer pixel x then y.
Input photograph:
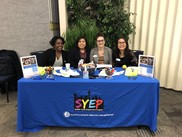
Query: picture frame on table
{"type": "Point", "coordinates": [146, 65]}
{"type": "Point", "coordinates": [29, 66]}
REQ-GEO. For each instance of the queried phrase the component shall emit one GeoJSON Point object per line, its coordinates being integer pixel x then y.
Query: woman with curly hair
{"type": "Point", "coordinates": [55, 56]}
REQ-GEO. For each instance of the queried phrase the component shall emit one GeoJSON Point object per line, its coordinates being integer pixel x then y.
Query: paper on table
{"type": "Point", "coordinates": [58, 68]}
{"type": "Point", "coordinates": [73, 73]}
{"type": "Point", "coordinates": [65, 73]}
{"type": "Point", "coordinates": [116, 73]}
{"type": "Point", "coordinates": [104, 65]}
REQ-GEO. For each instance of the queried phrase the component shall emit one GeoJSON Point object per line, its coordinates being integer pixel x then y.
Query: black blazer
{"type": "Point", "coordinates": [74, 57]}
{"type": "Point", "coordinates": [50, 55]}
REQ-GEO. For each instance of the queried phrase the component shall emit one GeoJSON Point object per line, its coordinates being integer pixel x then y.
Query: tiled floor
{"type": "Point", "coordinates": [169, 121]}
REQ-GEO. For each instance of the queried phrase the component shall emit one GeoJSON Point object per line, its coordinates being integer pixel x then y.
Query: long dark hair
{"type": "Point", "coordinates": [78, 39]}
{"type": "Point", "coordinates": [126, 50]}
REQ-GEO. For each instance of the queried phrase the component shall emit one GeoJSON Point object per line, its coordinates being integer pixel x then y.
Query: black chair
{"type": "Point", "coordinates": [39, 56]}
{"type": "Point", "coordinates": [6, 75]}
{"type": "Point", "coordinates": [137, 53]}
{"type": "Point", "coordinates": [4, 80]}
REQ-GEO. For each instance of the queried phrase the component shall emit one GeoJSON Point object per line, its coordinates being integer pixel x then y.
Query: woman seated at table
{"type": "Point", "coordinates": [123, 55]}
{"type": "Point", "coordinates": [101, 54]}
{"type": "Point", "coordinates": [80, 51]}
{"type": "Point", "coordinates": [55, 56]}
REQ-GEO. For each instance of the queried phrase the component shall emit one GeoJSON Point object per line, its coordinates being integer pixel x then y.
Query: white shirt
{"type": "Point", "coordinates": [58, 62]}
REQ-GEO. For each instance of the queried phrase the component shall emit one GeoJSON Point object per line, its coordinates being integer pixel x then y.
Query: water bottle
{"type": "Point", "coordinates": [85, 73]}
{"type": "Point", "coordinates": [79, 64]}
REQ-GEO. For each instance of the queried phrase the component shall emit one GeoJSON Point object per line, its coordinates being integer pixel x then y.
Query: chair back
{"type": "Point", "coordinates": [6, 67]}
{"type": "Point", "coordinates": [137, 53]}
{"type": "Point", "coordinates": [39, 56]}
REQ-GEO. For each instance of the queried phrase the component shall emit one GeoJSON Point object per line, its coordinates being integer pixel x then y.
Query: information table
{"type": "Point", "coordinates": [94, 103]}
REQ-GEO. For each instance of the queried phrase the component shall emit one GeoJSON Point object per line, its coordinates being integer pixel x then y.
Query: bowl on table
{"type": "Point", "coordinates": [109, 72]}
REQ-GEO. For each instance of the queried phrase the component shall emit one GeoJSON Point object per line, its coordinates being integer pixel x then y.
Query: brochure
{"type": "Point", "coordinates": [104, 65]}
{"type": "Point", "coordinates": [146, 65]}
{"type": "Point", "coordinates": [29, 66]}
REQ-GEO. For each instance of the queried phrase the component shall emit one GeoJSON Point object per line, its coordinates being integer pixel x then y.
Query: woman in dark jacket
{"type": "Point", "coordinates": [80, 51]}
{"type": "Point", "coordinates": [123, 55]}
{"type": "Point", "coordinates": [55, 56]}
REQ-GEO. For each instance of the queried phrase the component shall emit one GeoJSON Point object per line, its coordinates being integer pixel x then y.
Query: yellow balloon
{"type": "Point", "coordinates": [124, 67]}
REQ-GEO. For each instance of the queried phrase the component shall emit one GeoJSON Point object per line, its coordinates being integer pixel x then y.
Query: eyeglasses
{"type": "Point", "coordinates": [121, 42]}
{"type": "Point", "coordinates": [100, 40]}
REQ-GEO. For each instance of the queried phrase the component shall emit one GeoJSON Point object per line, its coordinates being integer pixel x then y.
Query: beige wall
{"type": "Point", "coordinates": [24, 25]}
{"type": "Point", "coordinates": [62, 16]}
{"type": "Point", "coordinates": [159, 33]}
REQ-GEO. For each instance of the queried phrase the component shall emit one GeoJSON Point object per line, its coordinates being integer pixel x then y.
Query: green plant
{"type": "Point", "coordinates": [110, 16]}
{"type": "Point", "coordinates": [113, 20]}
{"type": "Point", "coordinates": [82, 27]}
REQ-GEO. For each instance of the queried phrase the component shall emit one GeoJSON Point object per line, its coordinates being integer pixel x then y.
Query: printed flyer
{"type": "Point", "coordinates": [29, 66]}
{"type": "Point", "coordinates": [146, 65]}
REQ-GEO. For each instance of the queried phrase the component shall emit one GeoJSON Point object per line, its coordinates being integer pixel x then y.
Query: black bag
{"type": "Point", "coordinates": [6, 66]}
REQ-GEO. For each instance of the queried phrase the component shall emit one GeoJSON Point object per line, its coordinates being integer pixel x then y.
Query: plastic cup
{"type": "Point", "coordinates": [67, 66]}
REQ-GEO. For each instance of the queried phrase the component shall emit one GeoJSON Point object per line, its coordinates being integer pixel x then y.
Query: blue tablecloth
{"type": "Point", "coordinates": [95, 103]}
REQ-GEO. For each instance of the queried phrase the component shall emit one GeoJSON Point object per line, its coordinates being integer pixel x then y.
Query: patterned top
{"type": "Point", "coordinates": [101, 60]}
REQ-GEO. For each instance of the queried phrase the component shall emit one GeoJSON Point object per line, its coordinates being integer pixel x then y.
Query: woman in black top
{"type": "Point", "coordinates": [55, 56]}
{"type": "Point", "coordinates": [80, 51]}
{"type": "Point", "coordinates": [123, 55]}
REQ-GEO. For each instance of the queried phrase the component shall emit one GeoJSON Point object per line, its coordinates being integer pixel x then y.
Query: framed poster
{"type": "Point", "coordinates": [29, 66]}
{"type": "Point", "coordinates": [146, 65]}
